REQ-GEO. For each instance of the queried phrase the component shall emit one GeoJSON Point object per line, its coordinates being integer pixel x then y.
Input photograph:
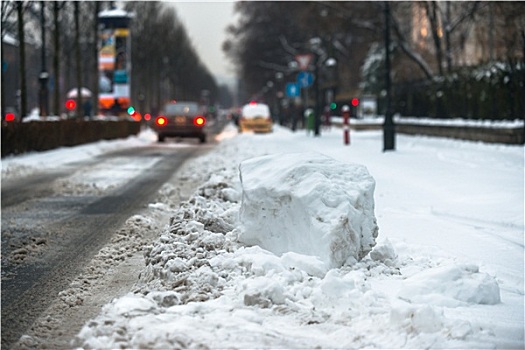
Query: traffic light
{"type": "Point", "coordinates": [355, 102]}
{"type": "Point", "coordinates": [71, 105]}
{"type": "Point", "coordinates": [333, 106]}
{"type": "Point", "coordinates": [131, 110]}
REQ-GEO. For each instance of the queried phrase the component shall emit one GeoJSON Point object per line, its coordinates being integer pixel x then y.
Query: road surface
{"type": "Point", "coordinates": [55, 222]}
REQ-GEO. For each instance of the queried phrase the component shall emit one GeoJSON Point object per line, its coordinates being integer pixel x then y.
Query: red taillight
{"type": "Point", "coordinates": [71, 105]}
{"type": "Point", "coordinates": [147, 117]}
{"type": "Point", "coordinates": [161, 121]}
{"type": "Point", "coordinates": [9, 117]}
{"type": "Point", "coordinates": [199, 121]}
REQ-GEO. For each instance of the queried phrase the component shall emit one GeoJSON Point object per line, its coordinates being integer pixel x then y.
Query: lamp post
{"type": "Point", "coordinates": [318, 110]}
{"type": "Point", "coordinates": [388, 126]}
{"type": "Point", "coordinates": [315, 45]}
{"type": "Point", "coordinates": [279, 76]}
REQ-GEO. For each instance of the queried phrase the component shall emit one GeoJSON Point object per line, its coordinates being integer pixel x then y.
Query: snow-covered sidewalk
{"type": "Point", "coordinates": [447, 270]}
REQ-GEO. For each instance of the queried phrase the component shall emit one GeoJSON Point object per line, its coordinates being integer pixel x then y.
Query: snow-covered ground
{"type": "Point", "coordinates": [447, 269]}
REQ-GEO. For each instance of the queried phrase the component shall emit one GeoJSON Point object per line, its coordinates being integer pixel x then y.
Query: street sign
{"type": "Point", "coordinates": [304, 60]}
{"type": "Point", "coordinates": [293, 90]}
{"type": "Point", "coordinates": [305, 79]}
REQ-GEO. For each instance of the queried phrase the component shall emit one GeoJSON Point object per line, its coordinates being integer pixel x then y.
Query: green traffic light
{"type": "Point", "coordinates": [333, 106]}
{"type": "Point", "coordinates": [131, 110]}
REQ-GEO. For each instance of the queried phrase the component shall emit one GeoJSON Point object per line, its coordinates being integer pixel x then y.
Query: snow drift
{"type": "Point", "coordinates": [309, 204]}
{"type": "Point", "coordinates": [202, 289]}
{"type": "Point", "coordinates": [452, 286]}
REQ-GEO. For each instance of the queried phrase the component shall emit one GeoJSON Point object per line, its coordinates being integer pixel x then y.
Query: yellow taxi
{"type": "Point", "coordinates": [255, 117]}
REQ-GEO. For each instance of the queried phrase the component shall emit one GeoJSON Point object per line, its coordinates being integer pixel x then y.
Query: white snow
{"type": "Point", "coordinates": [255, 110]}
{"type": "Point", "coordinates": [308, 203]}
{"type": "Point", "coordinates": [447, 270]}
{"type": "Point", "coordinates": [452, 285]}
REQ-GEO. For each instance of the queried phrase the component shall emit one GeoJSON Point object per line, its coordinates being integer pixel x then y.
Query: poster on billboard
{"type": "Point", "coordinates": [114, 67]}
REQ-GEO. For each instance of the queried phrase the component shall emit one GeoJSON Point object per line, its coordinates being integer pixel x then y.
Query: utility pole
{"type": "Point", "coordinates": [388, 126]}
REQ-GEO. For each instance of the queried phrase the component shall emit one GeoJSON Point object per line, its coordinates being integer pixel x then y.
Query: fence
{"type": "Point", "coordinates": [494, 92]}
{"type": "Point", "coordinates": [45, 135]}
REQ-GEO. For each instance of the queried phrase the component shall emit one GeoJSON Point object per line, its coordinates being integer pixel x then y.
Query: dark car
{"type": "Point", "coordinates": [180, 119]}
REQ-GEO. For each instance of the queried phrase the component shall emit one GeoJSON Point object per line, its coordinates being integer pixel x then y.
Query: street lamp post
{"type": "Point", "coordinates": [315, 46]}
{"type": "Point", "coordinates": [388, 126]}
{"type": "Point", "coordinates": [318, 111]}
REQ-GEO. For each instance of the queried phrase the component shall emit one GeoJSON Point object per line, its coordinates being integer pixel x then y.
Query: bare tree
{"type": "Point", "coordinates": [80, 107]}
{"type": "Point", "coordinates": [20, 9]}
{"type": "Point", "coordinates": [431, 8]}
{"type": "Point", "coordinates": [7, 11]}
{"type": "Point", "coordinates": [95, 83]}
{"type": "Point", "coordinates": [174, 70]}
{"type": "Point", "coordinates": [57, 7]}
{"type": "Point", "coordinates": [456, 17]}
{"type": "Point", "coordinates": [406, 47]}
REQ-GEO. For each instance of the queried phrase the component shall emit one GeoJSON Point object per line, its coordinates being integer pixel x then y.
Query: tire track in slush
{"type": "Point", "coordinates": [35, 285]}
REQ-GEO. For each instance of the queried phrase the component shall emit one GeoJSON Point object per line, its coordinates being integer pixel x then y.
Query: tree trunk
{"type": "Point", "coordinates": [80, 107]}
{"type": "Point", "coordinates": [56, 58]}
{"type": "Point", "coordinates": [523, 74]}
{"type": "Point", "coordinates": [22, 53]}
{"type": "Point", "coordinates": [43, 79]}
{"type": "Point", "coordinates": [432, 14]}
{"type": "Point", "coordinates": [448, 28]}
{"type": "Point", "coordinates": [95, 87]}
{"type": "Point", "coordinates": [2, 91]}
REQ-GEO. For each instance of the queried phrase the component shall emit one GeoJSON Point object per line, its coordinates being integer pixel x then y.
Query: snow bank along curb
{"type": "Point", "coordinates": [488, 131]}
{"type": "Point", "coordinates": [309, 204]}
{"type": "Point", "coordinates": [202, 289]}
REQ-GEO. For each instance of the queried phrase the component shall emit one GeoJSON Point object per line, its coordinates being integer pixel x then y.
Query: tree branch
{"type": "Point", "coordinates": [414, 56]}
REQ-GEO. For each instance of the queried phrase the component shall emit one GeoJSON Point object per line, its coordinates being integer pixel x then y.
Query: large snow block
{"type": "Point", "coordinates": [308, 204]}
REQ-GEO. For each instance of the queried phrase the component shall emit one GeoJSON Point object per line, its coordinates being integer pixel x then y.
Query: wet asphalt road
{"type": "Point", "coordinates": [66, 231]}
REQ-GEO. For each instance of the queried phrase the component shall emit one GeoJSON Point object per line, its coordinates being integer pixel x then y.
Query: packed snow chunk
{"type": "Point", "coordinates": [451, 286]}
{"type": "Point", "coordinates": [418, 319]}
{"type": "Point", "coordinates": [132, 305]}
{"type": "Point", "coordinates": [309, 204]}
{"type": "Point", "coordinates": [336, 286]}
{"type": "Point", "coordinates": [263, 292]}
{"type": "Point", "coordinates": [309, 264]}
{"type": "Point", "coordinates": [384, 252]}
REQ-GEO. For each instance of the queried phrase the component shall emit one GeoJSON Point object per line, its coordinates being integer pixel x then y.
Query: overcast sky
{"type": "Point", "coordinates": [205, 22]}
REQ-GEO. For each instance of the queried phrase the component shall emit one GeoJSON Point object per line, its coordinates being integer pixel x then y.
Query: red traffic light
{"type": "Point", "coordinates": [9, 117]}
{"type": "Point", "coordinates": [355, 102]}
{"type": "Point", "coordinates": [71, 105]}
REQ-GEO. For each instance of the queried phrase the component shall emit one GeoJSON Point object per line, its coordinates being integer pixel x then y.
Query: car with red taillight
{"type": "Point", "coordinates": [180, 119]}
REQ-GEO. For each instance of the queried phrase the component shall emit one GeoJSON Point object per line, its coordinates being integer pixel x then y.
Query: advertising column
{"type": "Point", "coordinates": [114, 62]}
